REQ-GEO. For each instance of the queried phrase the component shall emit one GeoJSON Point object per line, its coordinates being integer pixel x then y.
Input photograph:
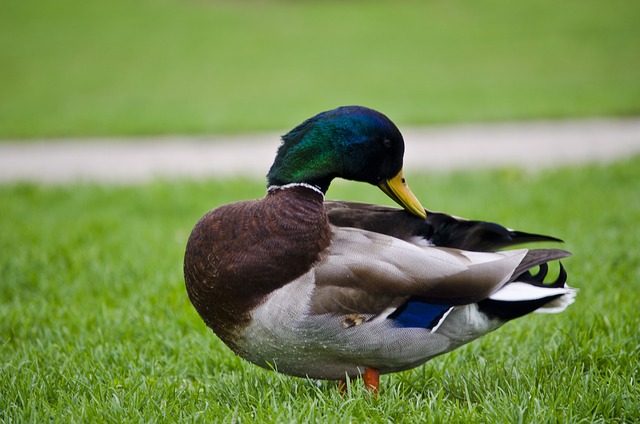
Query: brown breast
{"type": "Point", "coordinates": [239, 253]}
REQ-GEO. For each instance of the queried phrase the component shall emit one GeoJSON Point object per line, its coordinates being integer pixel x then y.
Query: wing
{"type": "Point", "coordinates": [366, 272]}
{"type": "Point", "coordinates": [381, 256]}
{"type": "Point", "coordinates": [438, 229]}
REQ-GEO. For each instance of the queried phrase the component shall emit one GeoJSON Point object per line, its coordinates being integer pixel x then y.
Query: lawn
{"type": "Point", "coordinates": [95, 324]}
{"type": "Point", "coordinates": [77, 68]}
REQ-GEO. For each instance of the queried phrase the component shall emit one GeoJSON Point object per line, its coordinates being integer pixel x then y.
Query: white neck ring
{"type": "Point", "coordinates": [305, 185]}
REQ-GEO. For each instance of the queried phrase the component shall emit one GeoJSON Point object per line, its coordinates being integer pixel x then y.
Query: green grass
{"type": "Point", "coordinates": [95, 324]}
{"type": "Point", "coordinates": [76, 67]}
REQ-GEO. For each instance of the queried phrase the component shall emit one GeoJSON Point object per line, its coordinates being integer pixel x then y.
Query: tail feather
{"type": "Point", "coordinates": [559, 304]}
{"type": "Point", "coordinates": [529, 293]}
{"type": "Point", "coordinates": [538, 257]}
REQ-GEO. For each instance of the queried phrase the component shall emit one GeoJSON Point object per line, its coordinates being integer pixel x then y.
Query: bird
{"type": "Point", "coordinates": [340, 290]}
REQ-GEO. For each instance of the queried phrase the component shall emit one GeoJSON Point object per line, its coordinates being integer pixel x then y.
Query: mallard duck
{"type": "Point", "coordinates": [337, 290]}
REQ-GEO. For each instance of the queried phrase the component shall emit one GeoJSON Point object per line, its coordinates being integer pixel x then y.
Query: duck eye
{"type": "Point", "coordinates": [386, 143]}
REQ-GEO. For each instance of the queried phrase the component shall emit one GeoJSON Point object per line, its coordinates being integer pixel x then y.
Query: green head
{"type": "Point", "coordinates": [351, 142]}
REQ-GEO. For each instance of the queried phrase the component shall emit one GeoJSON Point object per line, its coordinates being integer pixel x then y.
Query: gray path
{"type": "Point", "coordinates": [529, 146]}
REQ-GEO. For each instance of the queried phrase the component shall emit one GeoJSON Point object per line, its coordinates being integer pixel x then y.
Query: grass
{"type": "Point", "coordinates": [77, 68]}
{"type": "Point", "coordinates": [95, 324]}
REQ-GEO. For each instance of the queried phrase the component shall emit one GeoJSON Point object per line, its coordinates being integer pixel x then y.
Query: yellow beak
{"type": "Point", "coordinates": [397, 189]}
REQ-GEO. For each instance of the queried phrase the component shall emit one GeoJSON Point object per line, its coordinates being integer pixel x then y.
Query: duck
{"type": "Point", "coordinates": [339, 290]}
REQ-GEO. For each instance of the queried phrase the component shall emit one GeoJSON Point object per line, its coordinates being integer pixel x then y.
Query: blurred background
{"type": "Point", "coordinates": [144, 67]}
{"type": "Point", "coordinates": [94, 318]}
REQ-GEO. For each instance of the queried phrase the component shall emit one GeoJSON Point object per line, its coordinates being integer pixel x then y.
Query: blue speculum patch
{"type": "Point", "coordinates": [419, 314]}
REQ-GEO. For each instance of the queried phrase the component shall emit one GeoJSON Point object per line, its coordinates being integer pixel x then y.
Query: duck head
{"type": "Point", "coordinates": [350, 142]}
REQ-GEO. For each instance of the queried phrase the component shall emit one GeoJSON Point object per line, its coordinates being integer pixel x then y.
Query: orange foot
{"type": "Point", "coordinates": [371, 379]}
{"type": "Point", "coordinates": [342, 387]}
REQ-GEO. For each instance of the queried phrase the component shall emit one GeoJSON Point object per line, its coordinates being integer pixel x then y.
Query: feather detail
{"type": "Point", "coordinates": [375, 264]}
{"type": "Point", "coordinates": [516, 291]}
{"type": "Point", "coordinates": [420, 314]}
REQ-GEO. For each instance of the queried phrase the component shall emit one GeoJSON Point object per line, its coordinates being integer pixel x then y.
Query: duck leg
{"type": "Point", "coordinates": [342, 387]}
{"type": "Point", "coordinates": [371, 379]}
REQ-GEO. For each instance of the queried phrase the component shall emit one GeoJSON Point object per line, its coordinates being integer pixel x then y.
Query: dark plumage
{"type": "Point", "coordinates": [258, 247]}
